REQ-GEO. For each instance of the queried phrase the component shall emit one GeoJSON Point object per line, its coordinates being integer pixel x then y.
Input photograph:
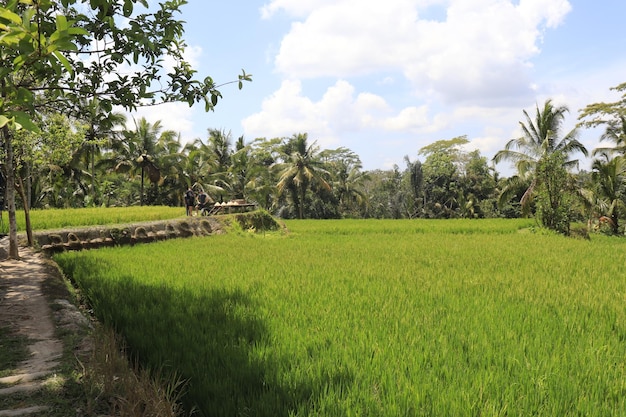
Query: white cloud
{"type": "Point", "coordinates": [297, 8]}
{"type": "Point", "coordinates": [173, 116]}
{"type": "Point", "coordinates": [284, 113]}
{"type": "Point", "coordinates": [481, 51]}
{"type": "Point", "coordinates": [339, 112]}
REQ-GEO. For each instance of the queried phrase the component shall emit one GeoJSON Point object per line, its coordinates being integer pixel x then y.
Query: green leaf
{"type": "Point", "coordinates": [19, 61]}
{"type": "Point", "coordinates": [4, 120]}
{"type": "Point", "coordinates": [61, 23]}
{"type": "Point", "coordinates": [128, 8]}
{"type": "Point", "coordinates": [24, 121]}
{"type": "Point", "coordinates": [106, 105]}
{"type": "Point", "coordinates": [63, 60]}
{"type": "Point", "coordinates": [10, 16]}
{"type": "Point", "coordinates": [75, 31]}
{"type": "Point", "coordinates": [24, 96]}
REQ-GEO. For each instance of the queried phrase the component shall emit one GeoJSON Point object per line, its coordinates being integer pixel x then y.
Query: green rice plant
{"type": "Point", "coordinates": [376, 318]}
{"type": "Point", "coordinates": [62, 218]}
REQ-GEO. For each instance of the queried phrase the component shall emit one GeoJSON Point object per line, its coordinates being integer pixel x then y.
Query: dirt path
{"type": "Point", "coordinates": [24, 308]}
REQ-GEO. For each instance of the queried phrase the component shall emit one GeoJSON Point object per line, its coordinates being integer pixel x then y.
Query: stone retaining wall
{"type": "Point", "coordinates": [129, 234]}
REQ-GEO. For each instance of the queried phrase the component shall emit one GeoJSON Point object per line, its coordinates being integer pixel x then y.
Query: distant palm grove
{"type": "Point", "coordinates": [107, 160]}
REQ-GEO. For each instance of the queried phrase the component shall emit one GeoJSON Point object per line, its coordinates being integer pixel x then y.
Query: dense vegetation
{"type": "Point", "coordinates": [374, 317]}
{"type": "Point", "coordinates": [292, 177]}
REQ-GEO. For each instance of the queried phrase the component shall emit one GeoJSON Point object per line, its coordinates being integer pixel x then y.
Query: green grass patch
{"type": "Point", "coordinates": [376, 318]}
{"type": "Point", "coordinates": [61, 218]}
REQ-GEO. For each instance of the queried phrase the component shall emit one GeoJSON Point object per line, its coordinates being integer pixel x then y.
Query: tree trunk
{"type": "Point", "coordinates": [141, 192]}
{"type": "Point", "coordinates": [615, 219]}
{"type": "Point", "coordinates": [29, 229]}
{"type": "Point", "coordinates": [10, 193]}
{"type": "Point", "coordinates": [302, 196]}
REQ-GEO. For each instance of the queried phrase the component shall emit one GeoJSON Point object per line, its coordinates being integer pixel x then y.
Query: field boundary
{"type": "Point", "coordinates": [94, 237]}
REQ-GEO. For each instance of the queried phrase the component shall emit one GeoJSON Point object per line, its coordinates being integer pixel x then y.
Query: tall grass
{"type": "Point", "coordinates": [60, 218]}
{"type": "Point", "coordinates": [375, 318]}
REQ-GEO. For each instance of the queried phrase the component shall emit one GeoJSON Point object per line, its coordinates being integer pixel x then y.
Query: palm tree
{"type": "Point", "coordinates": [210, 162]}
{"type": "Point", "coordinates": [102, 131]}
{"type": "Point", "coordinates": [220, 145]}
{"type": "Point", "coordinates": [539, 143]}
{"type": "Point", "coordinates": [615, 132]}
{"type": "Point", "coordinates": [137, 153]}
{"type": "Point", "coordinates": [609, 176]}
{"type": "Point", "coordinates": [300, 170]}
{"type": "Point", "coordinates": [345, 170]}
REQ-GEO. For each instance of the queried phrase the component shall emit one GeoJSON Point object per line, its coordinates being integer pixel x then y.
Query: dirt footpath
{"type": "Point", "coordinates": [25, 309]}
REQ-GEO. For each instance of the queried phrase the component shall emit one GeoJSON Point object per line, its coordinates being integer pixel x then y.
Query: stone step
{"type": "Point", "coordinates": [25, 377]}
{"type": "Point", "coordinates": [23, 411]}
{"type": "Point", "coordinates": [23, 388]}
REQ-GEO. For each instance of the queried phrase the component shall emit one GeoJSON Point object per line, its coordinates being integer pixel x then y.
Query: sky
{"type": "Point", "coordinates": [386, 78]}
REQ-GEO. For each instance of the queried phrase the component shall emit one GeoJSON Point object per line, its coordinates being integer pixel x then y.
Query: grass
{"type": "Point", "coordinates": [61, 218]}
{"type": "Point", "coordinates": [375, 318]}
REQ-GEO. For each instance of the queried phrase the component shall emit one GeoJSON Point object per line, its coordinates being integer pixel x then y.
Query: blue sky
{"type": "Point", "coordinates": [387, 78]}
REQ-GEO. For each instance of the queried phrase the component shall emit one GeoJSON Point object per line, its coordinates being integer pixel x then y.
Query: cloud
{"type": "Point", "coordinates": [297, 8]}
{"type": "Point", "coordinates": [482, 50]}
{"type": "Point", "coordinates": [339, 112]}
{"type": "Point", "coordinates": [173, 116]}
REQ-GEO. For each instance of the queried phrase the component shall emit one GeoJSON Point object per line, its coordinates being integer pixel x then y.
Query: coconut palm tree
{"type": "Point", "coordinates": [301, 169]}
{"type": "Point", "coordinates": [541, 141]}
{"type": "Point", "coordinates": [137, 152]}
{"type": "Point", "coordinates": [210, 162]}
{"type": "Point", "coordinates": [609, 176]}
{"type": "Point", "coordinates": [615, 132]}
{"type": "Point", "coordinates": [102, 129]}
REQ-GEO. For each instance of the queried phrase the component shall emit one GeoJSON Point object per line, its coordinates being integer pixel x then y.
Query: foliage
{"type": "Point", "coordinates": [534, 155]}
{"type": "Point", "coordinates": [300, 170]}
{"type": "Point", "coordinates": [554, 199]}
{"type": "Point", "coordinates": [611, 116]}
{"type": "Point", "coordinates": [372, 317]}
{"type": "Point", "coordinates": [60, 55]}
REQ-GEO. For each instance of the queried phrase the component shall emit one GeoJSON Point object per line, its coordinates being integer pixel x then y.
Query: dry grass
{"type": "Point", "coordinates": [116, 386]}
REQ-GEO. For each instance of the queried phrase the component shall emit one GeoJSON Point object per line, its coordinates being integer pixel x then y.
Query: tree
{"type": "Point", "coordinates": [478, 185]}
{"type": "Point", "coordinates": [611, 116]}
{"type": "Point", "coordinates": [609, 169]}
{"type": "Point", "coordinates": [102, 130]}
{"type": "Point", "coordinates": [415, 175]}
{"type": "Point", "coordinates": [43, 46]}
{"type": "Point", "coordinates": [537, 151]}
{"type": "Point", "coordinates": [300, 170]}
{"type": "Point", "coordinates": [345, 170]}
{"type": "Point", "coordinates": [140, 152]}
{"type": "Point", "coordinates": [35, 152]}
{"type": "Point", "coordinates": [261, 186]}
{"type": "Point", "coordinates": [554, 199]}
{"type": "Point", "coordinates": [441, 169]}
{"type": "Point", "coordinates": [609, 177]}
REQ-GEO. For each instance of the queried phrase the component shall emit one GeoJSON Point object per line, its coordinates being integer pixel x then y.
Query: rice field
{"type": "Point", "coordinates": [59, 218]}
{"type": "Point", "coordinates": [375, 318]}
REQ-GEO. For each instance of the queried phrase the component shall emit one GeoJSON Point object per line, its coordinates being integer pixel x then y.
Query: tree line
{"type": "Point", "coordinates": [72, 162]}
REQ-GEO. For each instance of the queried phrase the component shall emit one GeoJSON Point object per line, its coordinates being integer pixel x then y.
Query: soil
{"type": "Point", "coordinates": [27, 311]}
